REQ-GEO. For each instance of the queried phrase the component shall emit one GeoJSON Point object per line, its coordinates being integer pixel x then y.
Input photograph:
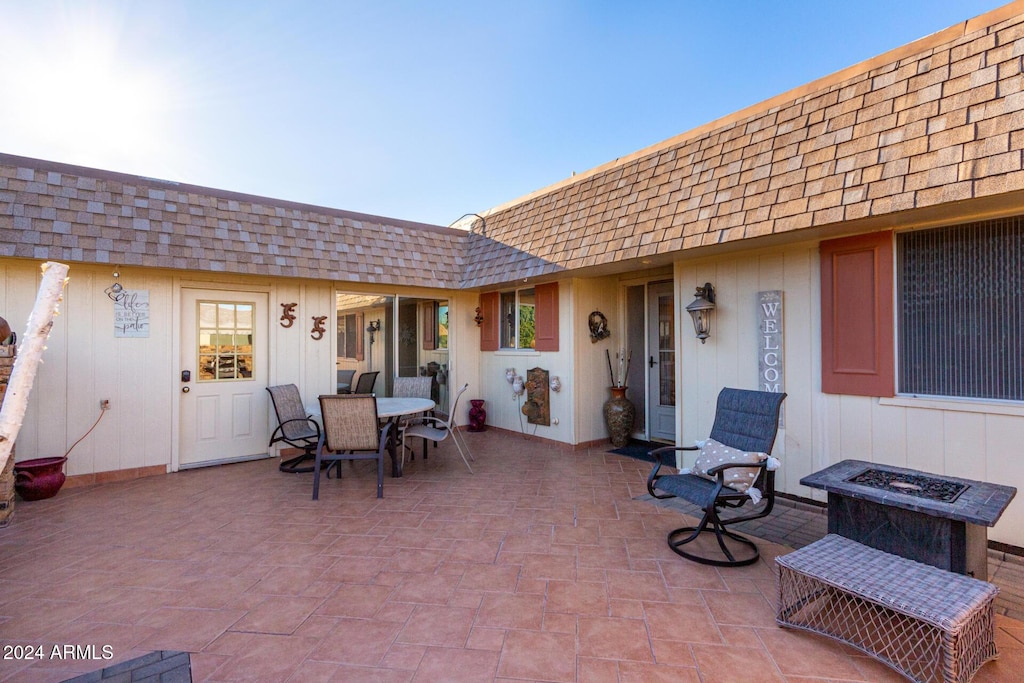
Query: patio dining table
{"type": "Point", "coordinates": [390, 409]}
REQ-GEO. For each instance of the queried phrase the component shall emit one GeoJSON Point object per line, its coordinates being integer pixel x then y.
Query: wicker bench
{"type": "Point", "coordinates": [927, 623]}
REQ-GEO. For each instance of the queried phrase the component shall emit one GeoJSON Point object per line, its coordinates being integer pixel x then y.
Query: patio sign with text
{"type": "Point", "coordinates": [131, 313]}
{"type": "Point", "coordinates": [771, 375]}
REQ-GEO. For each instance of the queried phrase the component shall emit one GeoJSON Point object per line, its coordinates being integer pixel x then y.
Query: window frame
{"type": "Point", "coordinates": [514, 333]}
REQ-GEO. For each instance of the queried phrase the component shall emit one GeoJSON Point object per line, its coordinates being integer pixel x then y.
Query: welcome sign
{"type": "Point", "coordinates": [771, 373]}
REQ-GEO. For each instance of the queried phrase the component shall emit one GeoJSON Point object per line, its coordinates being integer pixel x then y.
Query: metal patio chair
{"type": "Point", "coordinates": [412, 387]}
{"type": "Point", "coordinates": [435, 429]}
{"type": "Point", "coordinates": [746, 423]}
{"type": "Point", "coordinates": [364, 385]}
{"type": "Point", "coordinates": [352, 431]}
{"type": "Point", "coordinates": [345, 381]}
{"type": "Point", "coordinates": [294, 426]}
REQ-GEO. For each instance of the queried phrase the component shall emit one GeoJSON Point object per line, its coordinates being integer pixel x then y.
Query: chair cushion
{"type": "Point", "coordinates": [713, 453]}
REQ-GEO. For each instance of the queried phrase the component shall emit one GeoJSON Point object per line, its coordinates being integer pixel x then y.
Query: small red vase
{"type": "Point", "coordinates": [477, 415]}
{"type": "Point", "coordinates": [40, 478]}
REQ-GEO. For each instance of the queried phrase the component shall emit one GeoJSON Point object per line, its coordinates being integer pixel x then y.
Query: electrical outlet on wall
{"type": "Point", "coordinates": [104, 404]}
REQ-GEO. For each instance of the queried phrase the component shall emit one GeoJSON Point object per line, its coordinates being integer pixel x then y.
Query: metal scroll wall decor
{"type": "Point", "coordinates": [537, 407]}
{"type": "Point", "coordinates": [318, 330]}
{"type": "Point", "coordinates": [288, 314]}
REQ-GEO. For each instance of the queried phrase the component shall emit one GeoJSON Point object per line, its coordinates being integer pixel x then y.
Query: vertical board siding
{"type": "Point", "coordinates": [822, 429]}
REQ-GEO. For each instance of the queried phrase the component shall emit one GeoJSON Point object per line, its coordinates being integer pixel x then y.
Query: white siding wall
{"type": "Point", "coordinates": [84, 363]}
{"type": "Point", "coordinates": [976, 440]}
{"type": "Point", "coordinates": [502, 406]}
{"type": "Point", "coordinates": [590, 374]}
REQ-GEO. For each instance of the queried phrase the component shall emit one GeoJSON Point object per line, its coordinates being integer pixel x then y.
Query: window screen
{"type": "Point", "coordinates": [961, 303]}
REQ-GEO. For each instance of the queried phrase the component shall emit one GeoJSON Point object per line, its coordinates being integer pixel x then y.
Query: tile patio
{"type": "Point", "coordinates": [545, 565]}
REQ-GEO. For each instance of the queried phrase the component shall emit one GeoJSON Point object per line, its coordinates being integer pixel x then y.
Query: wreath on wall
{"type": "Point", "coordinates": [598, 327]}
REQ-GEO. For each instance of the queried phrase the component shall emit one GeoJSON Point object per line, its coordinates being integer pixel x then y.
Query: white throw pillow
{"type": "Point", "coordinates": [713, 453]}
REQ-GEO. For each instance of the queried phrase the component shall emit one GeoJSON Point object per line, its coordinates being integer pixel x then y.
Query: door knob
{"type": "Point", "coordinates": [651, 363]}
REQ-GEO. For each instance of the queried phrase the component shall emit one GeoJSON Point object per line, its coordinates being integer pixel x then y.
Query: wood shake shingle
{"type": "Point", "coordinates": [67, 213]}
{"type": "Point", "coordinates": [939, 121]}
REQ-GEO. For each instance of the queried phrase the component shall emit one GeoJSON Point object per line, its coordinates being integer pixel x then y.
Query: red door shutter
{"type": "Point", "coordinates": [430, 326]}
{"type": "Point", "coordinates": [546, 317]}
{"type": "Point", "coordinates": [490, 309]}
{"type": "Point", "coordinates": [857, 334]}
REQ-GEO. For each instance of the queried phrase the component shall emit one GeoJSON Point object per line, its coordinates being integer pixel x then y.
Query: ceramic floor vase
{"type": "Point", "coordinates": [619, 413]}
{"type": "Point", "coordinates": [477, 415]}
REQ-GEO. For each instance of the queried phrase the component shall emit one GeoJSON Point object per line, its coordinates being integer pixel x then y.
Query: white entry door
{"type": "Point", "coordinates": [661, 362]}
{"type": "Point", "coordinates": [224, 402]}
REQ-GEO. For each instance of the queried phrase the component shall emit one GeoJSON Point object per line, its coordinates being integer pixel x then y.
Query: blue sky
{"type": "Point", "coordinates": [418, 110]}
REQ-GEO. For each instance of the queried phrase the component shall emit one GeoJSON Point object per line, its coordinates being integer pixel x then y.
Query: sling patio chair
{"type": "Point", "coordinates": [345, 381]}
{"type": "Point", "coordinates": [734, 468]}
{"type": "Point", "coordinates": [435, 429]}
{"type": "Point", "coordinates": [352, 431]}
{"type": "Point", "coordinates": [294, 426]}
{"type": "Point", "coordinates": [412, 387]}
{"type": "Point", "coordinates": [364, 384]}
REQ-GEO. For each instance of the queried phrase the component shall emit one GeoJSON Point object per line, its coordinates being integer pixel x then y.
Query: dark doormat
{"type": "Point", "coordinates": [638, 449]}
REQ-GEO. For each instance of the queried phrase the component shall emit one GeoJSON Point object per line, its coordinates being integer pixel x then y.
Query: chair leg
{"type": "Point", "coordinates": [710, 522]}
{"type": "Point", "coordinates": [380, 475]}
{"type": "Point", "coordinates": [465, 444]}
{"type": "Point", "coordinates": [316, 477]}
{"type": "Point", "coordinates": [456, 441]}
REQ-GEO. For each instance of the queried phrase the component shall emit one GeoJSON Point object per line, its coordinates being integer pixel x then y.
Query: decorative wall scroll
{"type": "Point", "coordinates": [771, 373]}
{"type": "Point", "coordinates": [288, 314]}
{"type": "Point", "coordinates": [318, 327]}
{"type": "Point", "coordinates": [537, 407]}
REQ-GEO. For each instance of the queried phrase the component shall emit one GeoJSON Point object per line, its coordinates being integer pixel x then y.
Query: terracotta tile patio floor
{"type": "Point", "coordinates": [545, 565]}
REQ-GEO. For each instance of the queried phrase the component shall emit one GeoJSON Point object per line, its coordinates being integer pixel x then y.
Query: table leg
{"type": "Point", "coordinates": [396, 462]}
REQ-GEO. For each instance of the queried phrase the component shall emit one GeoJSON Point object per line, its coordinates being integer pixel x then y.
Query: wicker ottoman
{"type": "Point", "coordinates": [927, 623]}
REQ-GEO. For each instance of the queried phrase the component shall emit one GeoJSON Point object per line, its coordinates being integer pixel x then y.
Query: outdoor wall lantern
{"type": "Point", "coordinates": [373, 327]}
{"type": "Point", "coordinates": [700, 311]}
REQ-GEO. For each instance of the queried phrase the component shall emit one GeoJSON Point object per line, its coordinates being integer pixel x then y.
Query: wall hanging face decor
{"type": "Point", "coordinates": [598, 326]}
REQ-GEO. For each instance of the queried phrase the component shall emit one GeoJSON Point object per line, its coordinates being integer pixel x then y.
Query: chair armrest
{"type": "Point", "coordinates": [425, 418]}
{"type": "Point", "coordinates": [307, 420]}
{"type": "Point", "coordinates": [659, 455]}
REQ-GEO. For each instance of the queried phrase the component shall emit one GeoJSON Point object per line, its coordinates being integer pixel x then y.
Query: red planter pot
{"type": "Point", "coordinates": [40, 478]}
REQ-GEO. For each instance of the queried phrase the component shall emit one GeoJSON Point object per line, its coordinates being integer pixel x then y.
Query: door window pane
{"type": "Point", "coordinates": [224, 347]}
{"type": "Point", "coordinates": [666, 351]}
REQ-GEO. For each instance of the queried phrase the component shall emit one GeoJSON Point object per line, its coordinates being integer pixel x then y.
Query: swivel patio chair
{"type": "Point", "coordinates": [435, 429]}
{"type": "Point", "coordinates": [734, 468]}
{"type": "Point", "coordinates": [352, 431]}
{"type": "Point", "coordinates": [294, 426]}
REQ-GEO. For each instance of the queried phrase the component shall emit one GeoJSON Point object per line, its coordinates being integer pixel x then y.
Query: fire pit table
{"type": "Point", "coordinates": [937, 520]}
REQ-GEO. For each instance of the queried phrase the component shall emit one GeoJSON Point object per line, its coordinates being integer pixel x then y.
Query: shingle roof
{"type": "Point", "coordinates": [937, 121]}
{"type": "Point", "coordinates": [67, 213]}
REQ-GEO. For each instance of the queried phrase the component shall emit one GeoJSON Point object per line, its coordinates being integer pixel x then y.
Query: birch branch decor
{"type": "Point", "coordinates": [23, 374]}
